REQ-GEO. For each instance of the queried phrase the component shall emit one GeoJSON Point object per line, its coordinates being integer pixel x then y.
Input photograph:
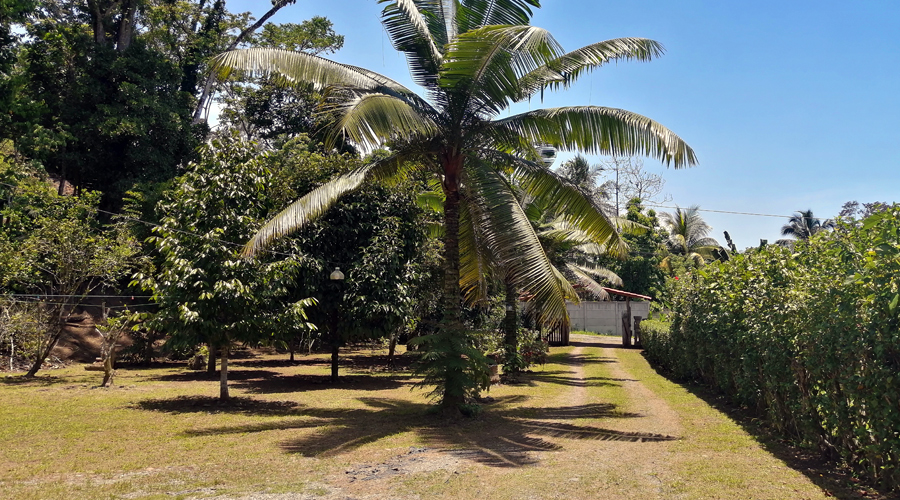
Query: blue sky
{"type": "Point", "coordinates": [789, 105]}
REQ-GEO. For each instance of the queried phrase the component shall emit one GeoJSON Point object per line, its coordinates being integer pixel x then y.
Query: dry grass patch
{"type": "Point", "coordinates": [581, 426]}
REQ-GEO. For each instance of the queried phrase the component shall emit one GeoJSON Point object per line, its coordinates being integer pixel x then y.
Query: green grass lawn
{"type": "Point", "coordinates": [562, 431]}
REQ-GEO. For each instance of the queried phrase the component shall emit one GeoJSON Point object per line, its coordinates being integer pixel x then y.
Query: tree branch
{"type": "Point", "coordinates": [210, 79]}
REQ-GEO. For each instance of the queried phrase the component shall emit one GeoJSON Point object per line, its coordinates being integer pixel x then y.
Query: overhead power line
{"type": "Point", "coordinates": [726, 211]}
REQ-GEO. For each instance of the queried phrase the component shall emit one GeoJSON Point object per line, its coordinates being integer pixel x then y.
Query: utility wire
{"type": "Point", "coordinates": [39, 295]}
{"type": "Point", "coordinates": [147, 304]}
{"type": "Point", "coordinates": [727, 211]}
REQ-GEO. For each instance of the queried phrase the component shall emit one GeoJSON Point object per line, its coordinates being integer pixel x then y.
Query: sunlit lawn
{"type": "Point", "coordinates": [560, 432]}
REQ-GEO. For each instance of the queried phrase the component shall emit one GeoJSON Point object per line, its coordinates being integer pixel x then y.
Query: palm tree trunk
{"type": "Point", "coordinates": [510, 325]}
{"type": "Point", "coordinates": [451, 324]}
{"type": "Point", "coordinates": [451, 259]}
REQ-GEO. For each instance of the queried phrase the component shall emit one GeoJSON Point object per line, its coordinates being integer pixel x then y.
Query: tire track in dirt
{"type": "Point", "coordinates": [635, 461]}
{"type": "Point", "coordinates": [577, 395]}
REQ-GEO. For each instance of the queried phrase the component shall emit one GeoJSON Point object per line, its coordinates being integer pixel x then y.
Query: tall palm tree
{"type": "Point", "coordinates": [688, 234]}
{"type": "Point", "coordinates": [473, 58]}
{"type": "Point", "coordinates": [803, 225]}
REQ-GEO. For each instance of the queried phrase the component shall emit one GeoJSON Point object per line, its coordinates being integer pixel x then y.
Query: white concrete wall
{"type": "Point", "coordinates": [604, 317]}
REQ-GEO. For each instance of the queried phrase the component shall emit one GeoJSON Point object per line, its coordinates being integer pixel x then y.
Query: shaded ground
{"type": "Point", "coordinates": [595, 422]}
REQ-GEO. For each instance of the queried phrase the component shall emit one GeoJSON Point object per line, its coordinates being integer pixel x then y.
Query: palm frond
{"type": "Point", "coordinates": [474, 14]}
{"type": "Point", "coordinates": [564, 70]}
{"type": "Point", "coordinates": [587, 281]}
{"type": "Point", "coordinates": [687, 232]}
{"type": "Point", "coordinates": [431, 200]}
{"type": "Point", "coordinates": [563, 197]}
{"type": "Point", "coordinates": [591, 249]}
{"type": "Point", "coordinates": [440, 16]}
{"type": "Point", "coordinates": [486, 64]}
{"type": "Point", "coordinates": [563, 231]}
{"type": "Point", "coordinates": [603, 273]}
{"type": "Point", "coordinates": [511, 238]}
{"type": "Point", "coordinates": [319, 200]}
{"type": "Point", "coordinates": [372, 119]}
{"type": "Point", "coordinates": [477, 262]}
{"type": "Point", "coordinates": [594, 130]}
{"type": "Point", "coordinates": [294, 67]}
{"type": "Point", "coordinates": [626, 226]}
{"type": "Point", "coordinates": [411, 34]}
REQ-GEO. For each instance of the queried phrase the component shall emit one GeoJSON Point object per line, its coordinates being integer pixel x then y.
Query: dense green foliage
{"type": "Point", "coordinates": [100, 118]}
{"type": "Point", "coordinates": [810, 338]}
{"type": "Point", "coordinates": [208, 293]}
{"type": "Point", "coordinates": [106, 94]}
{"type": "Point", "coordinates": [56, 250]}
{"type": "Point", "coordinates": [640, 271]}
{"type": "Point", "coordinates": [377, 236]}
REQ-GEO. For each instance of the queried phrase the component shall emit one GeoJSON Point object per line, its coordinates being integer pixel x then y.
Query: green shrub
{"type": "Point", "coordinates": [452, 366]}
{"type": "Point", "coordinates": [655, 338]}
{"type": "Point", "coordinates": [808, 336]}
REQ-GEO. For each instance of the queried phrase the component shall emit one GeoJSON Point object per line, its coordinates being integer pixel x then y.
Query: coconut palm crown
{"type": "Point", "coordinates": [688, 233]}
{"type": "Point", "coordinates": [803, 225]}
{"type": "Point", "coordinates": [473, 58]}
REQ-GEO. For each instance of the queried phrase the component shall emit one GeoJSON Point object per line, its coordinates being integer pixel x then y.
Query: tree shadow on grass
{"type": "Point", "coordinates": [567, 359]}
{"type": "Point", "coordinates": [207, 404]}
{"type": "Point", "coordinates": [596, 341]}
{"type": "Point", "coordinates": [282, 363]}
{"type": "Point", "coordinates": [198, 375]}
{"type": "Point", "coordinates": [294, 383]}
{"type": "Point", "coordinates": [39, 381]}
{"type": "Point", "coordinates": [351, 359]}
{"type": "Point", "coordinates": [506, 436]}
{"type": "Point", "coordinates": [561, 378]}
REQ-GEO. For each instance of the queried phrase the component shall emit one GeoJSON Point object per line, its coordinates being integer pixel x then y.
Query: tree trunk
{"type": "Point", "coordinates": [451, 323]}
{"type": "Point", "coordinates": [451, 255]}
{"type": "Point", "coordinates": [335, 345]}
{"type": "Point", "coordinates": [97, 23]}
{"type": "Point", "coordinates": [392, 348]}
{"type": "Point", "coordinates": [292, 346]}
{"type": "Point", "coordinates": [55, 334]}
{"type": "Point", "coordinates": [511, 324]}
{"type": "Point", "coordinates": [126, 26]}
{"type": "Point", "coordinates": [108, 369]}
{"type": "Point", "coordinates": [62, 175]}
{"type": "Point", "coordinates": [210, 79]}
{"type": "Point", "coordinates": [211, 362]}
{"type": "Point", "coordinates": [44, 354]}
{"type": "Point", "coordinates": [197, 52]}
{"type": "Point", "coordinates": [223, 379]}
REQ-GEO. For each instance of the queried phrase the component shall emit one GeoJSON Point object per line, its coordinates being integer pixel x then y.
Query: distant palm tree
{"type": "Point", "coordinates": [688, 234]}
{"type": "Point", "coordinates": [803, 225]}
{"type": "Point", "coordinates": [580, 172]}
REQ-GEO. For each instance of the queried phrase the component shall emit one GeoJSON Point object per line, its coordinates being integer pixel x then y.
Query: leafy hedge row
{"type": "Point", "coordinates": [808, 335]}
